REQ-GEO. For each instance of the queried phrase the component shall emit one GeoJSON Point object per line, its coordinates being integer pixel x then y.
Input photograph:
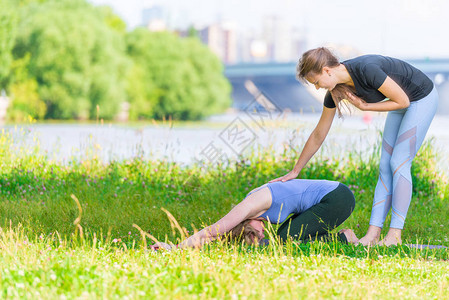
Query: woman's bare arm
{"type": "Point", "coordinates": [398, 99]}
{"type": "Point", "coordinates": [251, 207]}
{"type": "Point", "coordinates": [313, 143]}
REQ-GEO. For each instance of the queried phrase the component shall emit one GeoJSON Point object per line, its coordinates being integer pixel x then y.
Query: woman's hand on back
{"type": "Point", "coordinates": [290, 175]}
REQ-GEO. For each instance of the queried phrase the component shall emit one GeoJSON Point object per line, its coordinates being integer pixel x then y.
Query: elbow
{"type": "Point", "coordinates": [405, 103]}
{"type": "Point", "coordinates": [318, 137]}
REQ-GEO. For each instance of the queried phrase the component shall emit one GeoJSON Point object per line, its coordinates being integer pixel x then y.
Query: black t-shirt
{"type": "Point", "coordinates": [370, 71]}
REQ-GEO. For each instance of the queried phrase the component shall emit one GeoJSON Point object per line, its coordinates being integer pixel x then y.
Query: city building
{"type": "Point", "coordinates": [275, 41]}
{"type": "Point", "coordinates": [155, 18]}
{"type": "Point", "coordinates": [221, 38]}
{"type": "Point", "coordinates": [284, 42]}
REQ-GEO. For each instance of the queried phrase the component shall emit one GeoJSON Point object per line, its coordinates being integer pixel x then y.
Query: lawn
{"type": "Point", "coordinates": [51, 247]}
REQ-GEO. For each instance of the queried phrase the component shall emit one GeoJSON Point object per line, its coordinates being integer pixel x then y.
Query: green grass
{"type": "Point", "coordinates": [44, 256]}
{"type": "Point", "coordinates": [47, 267]}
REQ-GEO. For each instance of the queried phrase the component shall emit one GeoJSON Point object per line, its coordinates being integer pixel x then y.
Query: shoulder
{"type": "Point", "coordinates": [361, 62]}
{"type": "Point", "coordinates": [260, 199]}
{"type": "Point", "coordinates": [371, 69]}
{"type": "Point", "coordinates": [367, 58]}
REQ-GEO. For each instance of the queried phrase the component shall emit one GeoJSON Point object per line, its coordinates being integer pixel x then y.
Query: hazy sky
{"type": "Point", "coordinates": [401, 28]}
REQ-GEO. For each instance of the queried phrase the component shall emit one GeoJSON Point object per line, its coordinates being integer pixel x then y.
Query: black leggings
{"type": "Point", "coordinates": [317, 221]}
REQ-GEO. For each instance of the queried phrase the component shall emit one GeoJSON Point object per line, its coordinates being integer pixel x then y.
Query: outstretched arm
{"type": "Point", "coordinates": [251, 207]}
{"type": "Point", "coordinates": [313, 143]}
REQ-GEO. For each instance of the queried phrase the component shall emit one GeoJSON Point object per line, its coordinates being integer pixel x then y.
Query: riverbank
{"type": "Point", "coordinates": [223, 136]}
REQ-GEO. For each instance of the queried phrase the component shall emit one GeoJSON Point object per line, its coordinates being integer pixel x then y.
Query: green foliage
{"type": "Point", "coordinates": [112, 20]}
{"type": "Point", "coordinates": [8, 20]}
{"type": "Point", "coordinates": [26, 102]}
{"type": "Point", "coordinates": [182, 77]}
{"type": "Point", "coordinates": [192, 32]}
{"type": "Point", "coordinates": [76, 58]}
{"type": "Point", "coordinates": [24, 94]}
{"type": "Point", "coordinates": [142, 94]}
{"type": "Point", "coordinates": [80, 63]}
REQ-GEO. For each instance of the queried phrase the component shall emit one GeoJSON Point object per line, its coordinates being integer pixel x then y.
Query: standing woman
{"type": "Point", "coordinates": [375, 83]}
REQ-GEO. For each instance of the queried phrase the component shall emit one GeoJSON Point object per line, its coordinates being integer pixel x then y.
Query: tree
{"type": "Point", "coordinates": [112, 20]}
{"type": "Point", "coordinates": [23, 91]}
{"type": "Point", "coordinates": [183, 79]}
{"type": "Point", "coordinates": [8, 23]}
{"type": "Point", "coordinates": [142, 94]}
{"type": "Point", "coordinates": [77, 58]}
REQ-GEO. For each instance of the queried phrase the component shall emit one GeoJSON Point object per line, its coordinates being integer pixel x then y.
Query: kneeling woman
{"type": "Point", "coordinates": [316, 206]}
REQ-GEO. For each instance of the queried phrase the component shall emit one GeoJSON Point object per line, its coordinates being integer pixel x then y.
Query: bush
{"type": "Point", "coordinates": [182, 78]}
{"type": "Point", "coordinates": [77, 60]}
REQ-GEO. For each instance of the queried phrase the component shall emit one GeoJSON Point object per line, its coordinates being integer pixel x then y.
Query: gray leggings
{"type": "Point", "coordinates": [404, 133]}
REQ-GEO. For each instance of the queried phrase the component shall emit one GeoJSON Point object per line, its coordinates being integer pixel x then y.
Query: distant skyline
{"type": "Point", "coordinates": [401, 28]}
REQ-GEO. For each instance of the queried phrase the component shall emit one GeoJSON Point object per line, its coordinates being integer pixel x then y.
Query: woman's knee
{"type": "Point", "coordinates": [385, 170]}
{"type": "Point", "coordinates": [400, 164]}
{"type": "Point", "coordinates": [347, 198]}
{"type": "Point", "coordinates": [340, 205]}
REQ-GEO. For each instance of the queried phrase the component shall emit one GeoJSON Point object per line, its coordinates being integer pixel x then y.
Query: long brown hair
{"type": "Point", "coordinates": [243, 232]}
{"type": "Point", "coordinates": [312, 62]}
{"type": "Point", "coordinates": [339, 93]}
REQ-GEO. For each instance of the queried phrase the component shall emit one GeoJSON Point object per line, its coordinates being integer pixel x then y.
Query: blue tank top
{"type": "Point", "coordinates": [295, 196]}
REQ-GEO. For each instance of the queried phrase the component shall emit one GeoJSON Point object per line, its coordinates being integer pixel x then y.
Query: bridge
{"type": "Point", "coordinates": [278, 82]}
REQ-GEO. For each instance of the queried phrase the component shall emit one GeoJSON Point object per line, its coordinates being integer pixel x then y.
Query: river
{"type": "Point", "coordinates": [224, 136]}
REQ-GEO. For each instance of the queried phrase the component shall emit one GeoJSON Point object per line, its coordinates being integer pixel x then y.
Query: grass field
{"type": "Point", "coordinates": [52, 248]}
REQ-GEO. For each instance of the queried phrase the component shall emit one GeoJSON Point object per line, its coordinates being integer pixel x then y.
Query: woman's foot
{"type": "Point", "coordinates": [371, 237]}
{"type": "Point", "coordinates": [393, 238]}
{"type": "Point", "coordinates": [350, 235]}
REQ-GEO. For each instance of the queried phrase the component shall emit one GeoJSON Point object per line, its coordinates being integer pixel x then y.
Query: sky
{"type": "Point", "coordinates": [400, 28]}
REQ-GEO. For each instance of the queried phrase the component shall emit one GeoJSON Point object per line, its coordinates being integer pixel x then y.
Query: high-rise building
{"type": "Point", "coordinates": [222, 40]}
{"type": "Point", "coordinates": [155, 18]}
{"type": "Point", "coordinates": [278, 35]}
{"type": "Point", "coordinates": [299, 43]}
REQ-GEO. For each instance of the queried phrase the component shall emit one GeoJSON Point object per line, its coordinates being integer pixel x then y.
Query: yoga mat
{"type": "Point", "coordinates": [421, 246]}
